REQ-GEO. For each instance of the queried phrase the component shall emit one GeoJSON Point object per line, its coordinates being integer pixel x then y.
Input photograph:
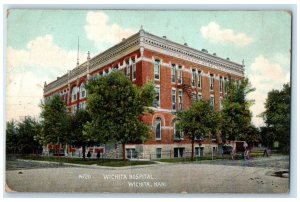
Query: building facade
{"type": "Point", "coordinates": [181, 75]}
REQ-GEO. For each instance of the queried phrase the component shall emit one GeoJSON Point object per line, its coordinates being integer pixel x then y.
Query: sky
{"type": "Point", "coordinates": [42, 45]}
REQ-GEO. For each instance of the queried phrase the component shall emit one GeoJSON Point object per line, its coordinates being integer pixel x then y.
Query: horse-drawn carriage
{"type": "Point", "coordinates": [237, 149]}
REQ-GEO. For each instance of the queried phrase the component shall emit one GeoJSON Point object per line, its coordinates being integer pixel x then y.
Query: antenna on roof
{"type": "Point", "coordinates": [78, 52]}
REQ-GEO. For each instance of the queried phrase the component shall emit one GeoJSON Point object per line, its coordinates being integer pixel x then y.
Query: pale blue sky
{"type": "Point", "coordinates": [267, 46]}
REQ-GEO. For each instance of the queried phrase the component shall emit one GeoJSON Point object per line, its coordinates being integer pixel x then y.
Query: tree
{"type": "Point", "coordinates": [27, 132]}
{"type": "Point", "coordinates": [78, 121]}
{"type": "Point", "coordinates": [21, 138]}
{"type": "Point", "coordinates": [11, 137]}
{"type": "Point", "coordinates": [55, 121]}
{"type": "Point", "coordinates": [199, 120]}
{"type": "Point", "coordinates": [236, 114]}
{"type": "Point", "coordinates": [116, 105]}
{"type": "Point", "coordinates": [277, 116]}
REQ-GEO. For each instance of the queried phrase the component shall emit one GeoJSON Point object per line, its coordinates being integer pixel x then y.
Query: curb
{"type": "Point", "coordinates": [94, 166]}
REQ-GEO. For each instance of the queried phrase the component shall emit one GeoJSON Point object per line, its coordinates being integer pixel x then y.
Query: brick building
{"type": "Point", "coordinates": [181, 75]}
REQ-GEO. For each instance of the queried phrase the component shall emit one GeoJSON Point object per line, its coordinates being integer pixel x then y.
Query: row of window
{"type": "Point", "coordinates": [179, 77]}
{"type": "Point", "coordinates": [180, 152]}
{"type": "Point", "coordinates": [180, 99]}
{"type": "Point", "coordinates": [82, 105]}
{"type": "Point", "coordinates": [82, 92]}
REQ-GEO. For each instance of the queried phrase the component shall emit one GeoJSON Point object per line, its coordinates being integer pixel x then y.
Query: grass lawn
{"type": "Point", "coordinates": [100, 162]}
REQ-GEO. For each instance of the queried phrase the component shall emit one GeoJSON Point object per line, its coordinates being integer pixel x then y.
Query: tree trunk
{"type": "Point", "coordinates": [193, 141]}
{"type": "Point", "coordinates": [123, 152]}
{"type": "Point", "coordinates": [83, 151]}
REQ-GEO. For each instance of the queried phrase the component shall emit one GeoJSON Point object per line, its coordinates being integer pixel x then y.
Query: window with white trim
{"type": "Point", "coordinates": [199, 96]}
{"type": "Point", "coordinates": [157, 97]}
{"type": "Point", "coordinates": [173, 70]}
{"type": "Point", "coordinates": [199, 151]}
{"type": "Point", "coordinates": [74, 109]}
{"type": "Point", "coordinates": [173, 99]}
{"type": "Point", "coordinates": [178, 134]}
{"type": "Point", "coordinates": [133, 69]}
{"type": "Point", "coordinates": [179, 75]}
{"type": "Point", "coordinates": [194, 98]}
{"type": "Point", "coordinates": [221, 103]}
{"type": "Point", "coordinates": [74, 93]}
{"type": "Point", "coordinates": [157, 69]}
{"type": "Point", "coordinates": [158, 153]}
{"type": "Point", "coordinates": [212, 102]}
{"type": "Point", "coordinates": [127, 68]}
{"type": "Point", "coordinates": [199, 79]}
{"type": "Point", "coordinates": [193, 78]}
{"type": "Point", "coordinates": [158, 129]}
{"type": "Point", "coordinates": [180, 100]}
{"type": "Point", "coordinates": [211, 82]}
{"type": "Point", "coordinates": [221, 84]}
{"type": "Point", "coordinates": [82, 91]}
{"type": "Point", "coordinates": [225, 85]}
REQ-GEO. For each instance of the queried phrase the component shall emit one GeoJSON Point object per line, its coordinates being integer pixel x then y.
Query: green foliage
{"type": "Point", "coordinates": [78, 121]}
{"type": "Point", "coordinates": [199, 120]}
{"type": "Point", "coordinates": [21, 137]}
{"type": "Point", "coordinates": [277, 116]}
{"type": "Point", "coordinates": [236, 114]}
{"type": "Point", "coordinates": [55, 121]}
{"type": "Point", "coordinates": [116, 105]}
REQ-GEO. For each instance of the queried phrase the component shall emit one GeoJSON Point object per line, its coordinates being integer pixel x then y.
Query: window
{"type": "Point", "coordinates": [193, 78]}
{"type": "Point", "coordinates": [211, 82]}
{"type": "Point", "coordinates": [199, 96]}
{"type": "Point", "coordinates": [158, 129]}
{"type": "Point", "coordinates": [179, 74]}
{"type": "Point", "coordinates": [180, 99]}
{"type": "Point", "coordinates": [82, 105]}
{"type": "Point", "coordinates": [156, 69]}
{"type": "Point", "coordinates": [173, 70]}
{"type": "Point", "coordinates": [178, 152]}
{"type": "Point", "coordinates": [221, 84]}
{"type": "Point", "coordinates": [194, 98]}
{"type": "Point", "coordinates": [212, 102]}
{"type": "Point", "coordinates": [74, 93]}
{"type": "Point", "coordinates": [199, 79]}
{"type": "Point", "coordinates": [82, 90]}
{"type": "Point", "coordinates": [74, 108]}
{"type": "Point", "coordinates": [178, 134]}
{"type": "Point", "coordinates": [221, 103]}
{"type": "Point", "coordinates": [116, 67]}
{"type": "Point", "coordinates": [225, 85]}
{"type": "Point", "coordinates": [158, 153]}
{"type": "Point", "coordinates": [173, 99]}
{"type": "Point", "coordinates": [127, 68]}
{"type": "Point", "coordinates": [199, 151]}
{"type": "Point", "coordinates": [131, 153]}
{"type": "Point", "coordinates": [133, 69]}
{"type": "Point", "coordinates": [157, 97]}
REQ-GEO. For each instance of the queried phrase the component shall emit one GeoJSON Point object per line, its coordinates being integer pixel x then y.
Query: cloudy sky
{"type": "Point", "coordinates": [42, 45]}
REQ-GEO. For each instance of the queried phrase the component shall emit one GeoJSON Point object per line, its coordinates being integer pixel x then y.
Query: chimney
{"type": "Point", "coordinates": [185, 44]}
{"type": "Point", "coordinates": [164, 37]}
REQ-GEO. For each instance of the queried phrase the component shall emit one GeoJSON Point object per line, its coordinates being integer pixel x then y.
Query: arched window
{"type": "Point", "coordinates": [158, 129]}
{"type": "Point", "coordinates": [82, 90]}
{"type": "Point", "coordinates": [74, 93]}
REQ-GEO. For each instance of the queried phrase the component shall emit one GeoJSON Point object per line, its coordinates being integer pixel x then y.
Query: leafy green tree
{"type": "Point", "coordinates": [55, 122]}
{"type": "Point", "coordinates": [199, 120]}
{"type": "Point", "coordinates": [21, 138]}
{"type": "Point", "coordinates": [11, 137]}
{"type": "Point", "coordinates": [78, 121]}
{"type": "Point", "coordinates": [116, 105]}
{"type": "Point", "coordinates": [277, 116]}
{"type": "Point", "coordinates": [236, 114]}
{"type": "Point", "coordinates": [27, 132]}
